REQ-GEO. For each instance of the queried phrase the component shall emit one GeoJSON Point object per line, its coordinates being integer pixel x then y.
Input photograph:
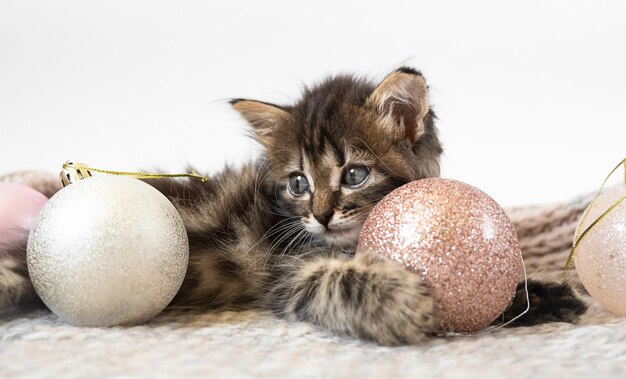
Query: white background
{"type": "Point", "coordinates": [531, 95]}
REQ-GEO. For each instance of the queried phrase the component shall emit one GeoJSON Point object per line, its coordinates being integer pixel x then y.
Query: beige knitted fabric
{"type": "Point", "coordinates": [256, 344]}
{"type": "Point", "coordinates": [546, 232]}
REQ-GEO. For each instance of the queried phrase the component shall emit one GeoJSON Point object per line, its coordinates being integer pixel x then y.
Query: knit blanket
{"type": "Point", "coordinates": [35, 343]}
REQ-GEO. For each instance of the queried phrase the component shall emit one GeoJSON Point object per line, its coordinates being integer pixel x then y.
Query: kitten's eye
{"type": "Point", "coordinates": [298, 184]}
{"type": "Point", "coordinates": [355, 176]}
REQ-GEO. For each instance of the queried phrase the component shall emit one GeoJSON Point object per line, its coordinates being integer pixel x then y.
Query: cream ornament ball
{"type": "Point", "coordinates": [107, 250]}
{"type": "Point", "coordinates": [600, 258]}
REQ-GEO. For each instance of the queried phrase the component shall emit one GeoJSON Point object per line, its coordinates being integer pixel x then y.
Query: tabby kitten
{"type": "Point", "coordinates": [281, 234]}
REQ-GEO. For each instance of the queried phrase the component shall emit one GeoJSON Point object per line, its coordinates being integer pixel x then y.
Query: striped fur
{"type": "Point", "coordinates": [15, 286]}
{"type": "Point", "coordinates": [254, 242]}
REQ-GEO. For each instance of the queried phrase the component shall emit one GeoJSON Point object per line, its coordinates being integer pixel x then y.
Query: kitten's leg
{"type": "Point", "coordinates": [552, 299]}
{"type": "Point", "coordinates": [15, 285]}
{"type": "Point", "coordinates": [364, 297]}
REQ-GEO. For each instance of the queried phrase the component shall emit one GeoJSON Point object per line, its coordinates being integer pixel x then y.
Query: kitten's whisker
{"type": "Point", "coordinates": [308, 240]}
{"type": "Point", "coordinates": [287, 222]}
{"type": "Point", "coordinates": [298, 246]}
{"type": "Point", "coordinates": [286, 248]}
{"type": "Point", "coordinates": [306, 243]}
{"type": "Point", "coordinates": [284, 236]}
{"type": "Point", "coordinates": [257, 182]}
{"type": "Point", "coordinates": [278, 241]}
{"type": "Point", "coordinates": [276, 191]}
{"type": "Point", "coordinates": [276, 229]}
{"type": "Point", "coordinates": [281, 227]}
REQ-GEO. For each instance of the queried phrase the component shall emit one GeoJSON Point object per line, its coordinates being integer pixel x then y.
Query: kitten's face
{"type": "Point", "coordinates": [346, 144]}
{"type": "Point", "coordinates": [332, 189]}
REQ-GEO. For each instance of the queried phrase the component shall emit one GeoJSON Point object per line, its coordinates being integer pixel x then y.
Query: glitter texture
{"type": "Point", "coordinates": [458, 239]}
{"type": "Point", "coordinates": [600, 257]}
{"type": "Point", "coordinates": [107, 250]}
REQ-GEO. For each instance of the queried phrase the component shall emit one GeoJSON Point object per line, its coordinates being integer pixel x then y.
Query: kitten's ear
{"type": "Point", "coordinates": [262, 117]}
{"type": "Point", "coordinates": [402, 99]}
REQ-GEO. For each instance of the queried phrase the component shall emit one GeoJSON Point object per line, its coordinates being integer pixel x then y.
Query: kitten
{"type": "Point", "coordinates": [280, 234]}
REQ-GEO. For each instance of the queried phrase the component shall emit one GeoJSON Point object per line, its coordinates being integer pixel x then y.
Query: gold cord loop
{"type": "Point", "coordinates": [76, 171]}
{"type": "Point", "coordinates": [581, 234]}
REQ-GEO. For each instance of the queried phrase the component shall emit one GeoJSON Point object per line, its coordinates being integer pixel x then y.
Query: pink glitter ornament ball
{"type": "Point", "coordinates": [458, 239]}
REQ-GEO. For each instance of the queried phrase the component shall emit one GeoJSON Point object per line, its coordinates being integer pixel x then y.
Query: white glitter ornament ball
{"type": "Point", "coordinates": [460, 242]}
{"type": "Point", "coordinates": [600, 258]}
{"type": "Point", "coordinates": [107, 250]}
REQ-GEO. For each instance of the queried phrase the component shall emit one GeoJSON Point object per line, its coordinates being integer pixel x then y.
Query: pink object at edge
{"type": "Point", "coordinates": [19, 206]}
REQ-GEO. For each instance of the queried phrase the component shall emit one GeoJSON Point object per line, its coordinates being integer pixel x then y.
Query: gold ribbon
{"type": "Point", "coordinates": [580, 235]}
{"type": "Point", "coordinates": [85, 171]}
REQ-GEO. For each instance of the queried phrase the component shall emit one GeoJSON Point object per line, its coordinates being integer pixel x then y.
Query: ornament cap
{"type": "Point", "coordinates": [73, 172]}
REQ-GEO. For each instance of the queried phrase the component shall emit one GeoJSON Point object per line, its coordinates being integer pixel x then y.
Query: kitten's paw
{"type": "Point", "coordinates": [399, 307]}
{"type": "Point", "coordinates": [551, 300]}
{"type": "Point", "coordinates": [365, 297]}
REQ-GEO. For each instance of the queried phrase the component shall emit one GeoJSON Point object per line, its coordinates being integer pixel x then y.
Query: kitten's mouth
{"type": "Point", "coordinates": [337, 232]}
{"type": "Point", "coordinates": [341, 236]}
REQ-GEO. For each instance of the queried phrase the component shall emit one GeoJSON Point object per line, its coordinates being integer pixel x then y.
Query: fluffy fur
{"type": "Point", "coordinates": [15, 286]}
{"type": "Point", "coordinates": [281, 233]}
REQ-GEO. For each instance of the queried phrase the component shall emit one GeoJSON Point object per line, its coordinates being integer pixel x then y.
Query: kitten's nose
{"type": "Point", "coordinates": [324, 218]}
